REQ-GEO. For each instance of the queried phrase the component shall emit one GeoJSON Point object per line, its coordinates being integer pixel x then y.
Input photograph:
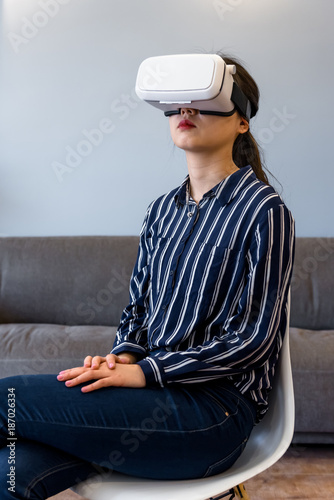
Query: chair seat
{"type": "Point", "coordinates": [269, 440]}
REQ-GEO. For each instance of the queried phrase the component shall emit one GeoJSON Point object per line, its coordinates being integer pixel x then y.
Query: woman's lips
{"type": "Point", "coordinates": [186, 124]}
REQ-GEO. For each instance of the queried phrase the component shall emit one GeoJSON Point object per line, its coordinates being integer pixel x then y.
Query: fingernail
{"type": "Point", "coordinates": [68, 383]}
{"type": "Point", "coordinates": [111, 365]}
{"type": "Point", "coordinates": [60, 376]}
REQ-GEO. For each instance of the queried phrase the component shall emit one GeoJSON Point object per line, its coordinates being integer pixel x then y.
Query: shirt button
{"type": "Point", "coordinates": [171, 273]}
{"type": "Point", "coordinates": [190, 214]}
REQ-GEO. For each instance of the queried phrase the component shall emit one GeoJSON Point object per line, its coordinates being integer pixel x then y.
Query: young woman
{"type": "Point", "coordinates": [195, 353]}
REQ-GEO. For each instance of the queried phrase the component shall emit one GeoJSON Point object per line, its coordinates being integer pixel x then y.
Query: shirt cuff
{"type": "Point", "coordinates": [153, 372]}
{"type": "Point", "coordinates": [128, 347]}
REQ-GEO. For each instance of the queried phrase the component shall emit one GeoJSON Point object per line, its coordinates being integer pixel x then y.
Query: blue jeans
{"type": "Point", "coordinates": [59, 436]}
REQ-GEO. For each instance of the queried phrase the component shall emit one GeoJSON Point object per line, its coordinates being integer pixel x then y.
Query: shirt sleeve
{"type": "Point", "coordinates": [248, 337]}
{"type": "Point", "coordinates": [131, 335]}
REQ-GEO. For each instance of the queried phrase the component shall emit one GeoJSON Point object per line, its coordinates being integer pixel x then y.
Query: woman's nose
{"type": "Point", "coordinates": [189, 111]}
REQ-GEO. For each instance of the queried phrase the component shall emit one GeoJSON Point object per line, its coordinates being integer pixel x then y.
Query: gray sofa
{"type": "Point", "coordinates": [61, 298]}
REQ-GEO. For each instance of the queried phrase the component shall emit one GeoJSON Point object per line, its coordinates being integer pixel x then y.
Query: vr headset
{"type": "Point", "coordinates": [200, 81]}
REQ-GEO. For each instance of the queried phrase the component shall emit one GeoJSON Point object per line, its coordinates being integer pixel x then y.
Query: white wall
{"type": "Point", "coordinates": [67, 66]}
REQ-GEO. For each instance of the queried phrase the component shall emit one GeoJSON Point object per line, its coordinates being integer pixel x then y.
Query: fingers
{"type": "Point", "coordinates": [77, 376]}
{"type": "Point", "coordinates": [88, 361]}
{"type": "Point", "coordinates": [103, 382]}
{"type": "Point", "coordinates": [71, 373]}
{"type": "Point", "coordinates": [112, 359]}
{"type": "Point", "coordinates": [125, 375]}
{"type": "Point", "coordinates": [127, 357]}
{"type": "Point", "coordinates": [79, 379]}
{"type": "Point", "coordinates": [93, 362]}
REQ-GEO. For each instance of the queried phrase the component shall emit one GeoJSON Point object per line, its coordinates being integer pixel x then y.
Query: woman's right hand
{"type": "Point", "coordinates": [110, 359]}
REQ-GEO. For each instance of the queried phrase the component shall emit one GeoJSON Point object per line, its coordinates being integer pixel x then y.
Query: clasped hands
{"type": "Point", "coordinates": [112, 370]}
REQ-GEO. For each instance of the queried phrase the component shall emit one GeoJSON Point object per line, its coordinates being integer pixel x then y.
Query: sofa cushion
{"type": "Point", "coordinates": [43, 348]}
{"type": "Point", "coordinates": [65, 280]}
{"type": "Point", "coordinates": [312, 354]}
{"type": "Point", "coordinates": [312, 302]}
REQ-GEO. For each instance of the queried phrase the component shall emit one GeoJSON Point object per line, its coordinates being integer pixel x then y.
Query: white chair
{"type": "Point", "coordinates": [268, 442]}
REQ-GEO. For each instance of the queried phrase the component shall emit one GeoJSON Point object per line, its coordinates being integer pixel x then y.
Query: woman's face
{"type": "Point", "coordinates": [194, 132]}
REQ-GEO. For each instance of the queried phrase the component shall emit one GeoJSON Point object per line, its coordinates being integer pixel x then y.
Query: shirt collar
{"type": "Point", "coordinates": [225, 191]}
{"type": "Point", "coordinates": [180, 197]}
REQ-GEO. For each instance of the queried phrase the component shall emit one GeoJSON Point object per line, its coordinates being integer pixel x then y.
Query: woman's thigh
{"type": "Point", "coordinates": [176, 432]}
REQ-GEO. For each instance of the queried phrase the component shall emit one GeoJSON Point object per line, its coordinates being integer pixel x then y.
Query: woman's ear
{"type": "Point", "coordinates": [243, 125]}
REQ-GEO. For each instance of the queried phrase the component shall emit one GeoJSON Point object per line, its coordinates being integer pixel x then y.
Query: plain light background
{"type": "Point", "coordinates": [68, 67]}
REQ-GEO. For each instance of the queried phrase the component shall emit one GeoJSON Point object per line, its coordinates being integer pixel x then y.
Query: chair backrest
{"type": "Point", "coordinates": [272, 436]}
{"type": "Point", "coordinates": [268, 442]}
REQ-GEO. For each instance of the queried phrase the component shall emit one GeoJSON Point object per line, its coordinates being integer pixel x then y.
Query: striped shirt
{"type": "Point", "coordinates": [208, 293]}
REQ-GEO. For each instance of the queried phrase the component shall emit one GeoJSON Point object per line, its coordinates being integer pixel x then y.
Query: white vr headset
{"type": "Point", "coordinates": [200, 81]}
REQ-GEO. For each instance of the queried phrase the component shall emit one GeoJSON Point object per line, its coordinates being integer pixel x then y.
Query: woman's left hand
{"type": "Point", "coordinates": [127, 375]}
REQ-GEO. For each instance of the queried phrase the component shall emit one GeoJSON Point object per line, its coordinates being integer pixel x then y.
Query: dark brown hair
{"type": "Point", "coordinates": [246, 151]}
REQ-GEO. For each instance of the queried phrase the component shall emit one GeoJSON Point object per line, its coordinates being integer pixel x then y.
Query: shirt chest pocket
{"type": "Point", "coordinates": [212, 263]}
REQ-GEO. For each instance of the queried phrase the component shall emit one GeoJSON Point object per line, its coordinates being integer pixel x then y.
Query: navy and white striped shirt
{"type": "Point", "coordinates": [208, 293]}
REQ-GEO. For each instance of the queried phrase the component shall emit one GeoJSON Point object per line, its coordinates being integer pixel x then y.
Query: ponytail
{"type": "Point", "coordinates": [246, 151]}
